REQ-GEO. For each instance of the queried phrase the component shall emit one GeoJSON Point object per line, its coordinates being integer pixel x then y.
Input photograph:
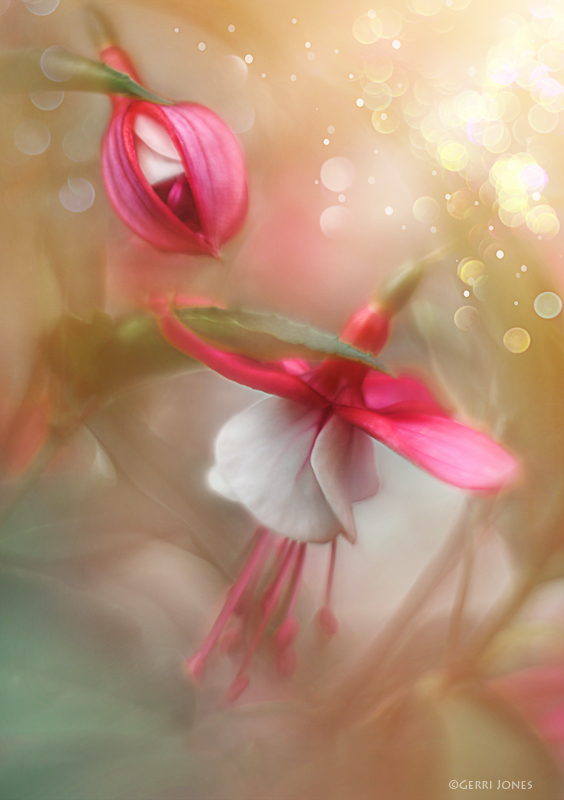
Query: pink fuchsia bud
{"type": "Point", "coordinates": [368, 329]}
{"type": "Point", "coordinates": [175, 174]}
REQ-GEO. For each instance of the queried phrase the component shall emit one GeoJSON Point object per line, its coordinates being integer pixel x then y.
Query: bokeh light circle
{"type": "Point", "coordinates": [516, 340]}
{"type": "Point", "coordinates": [32, 137]}
{"type": "Point", "coordinates": [548, 305]}
{"type": "Point", "coordinates": [77, 195]}
{"type": "Point", "coordinates": [337, 174]}
{"type": "Point", "coordinates": [336, 222]}
{"type": "Point", "coordinates": [42, 7]}
{"type": "Point", "coordinates": [541, 119]}
{"type": "Point", "coordinates": [57, 64]}
{"type": "Point", "coordinates": [469, 270]}
{"type": "Point", "coordinates": [386, 121]}
{"type": "Point", "coordinates": [466, 318]}
{"type": "Point", "coordinates": [426, 209]}
{"type": "Point", "coordinates": [427, 8]}
{"type": "Point", "coordinates": [46, 101]}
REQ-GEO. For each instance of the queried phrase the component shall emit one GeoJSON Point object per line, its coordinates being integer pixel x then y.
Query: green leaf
{"type": "Point", "coordinates": [57, 69]}
{"type": "Point", "coordinates": [102, 356]}
{"type": "Point", "coordinates": [268, 337]}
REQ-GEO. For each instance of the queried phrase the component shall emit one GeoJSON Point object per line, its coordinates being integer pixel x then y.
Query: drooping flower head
{"type": "Point", "coordinates": [300, 460]}
{"type": "Point", "coordinates": [175, 174]}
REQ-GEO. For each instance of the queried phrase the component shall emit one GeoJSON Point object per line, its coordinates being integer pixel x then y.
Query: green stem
{"type": "Point", "coordinates": [462, 591]}
{"type": "Point", "coordinates": [500, 619]}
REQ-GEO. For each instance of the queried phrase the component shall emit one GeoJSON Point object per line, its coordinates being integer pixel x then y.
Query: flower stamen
{"type": "Point", "coordinates": [196, 664]}
{"type": "Point", "coordinates": [326, 618]}
{"type": "Point", "coordinates": [268, 604]}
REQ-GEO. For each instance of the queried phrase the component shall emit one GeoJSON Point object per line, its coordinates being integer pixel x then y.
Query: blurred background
{"type": "Point", "coordinates": [374, 135]}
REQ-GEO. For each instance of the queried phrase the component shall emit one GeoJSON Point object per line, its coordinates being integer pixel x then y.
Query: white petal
{"type": "Point", "coordinates": [218, 484]}
{"type": "Point", "coordinates": [344, 467]}
{"type": "Point", "coordinates": [264, 455]}
{"type": "Point", "coordinates": [155, 137]}
{"type": "Point", "coordinates": [364, 476]}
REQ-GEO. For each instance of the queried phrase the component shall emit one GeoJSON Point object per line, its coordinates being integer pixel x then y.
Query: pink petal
{"type": "Point", "coordinates": [382, 391]}
{"type": "Point", "coordinates": [264, 455]}
{"type": "Point", "coordinates": [116, 58]}
{"type": "Point", "coordinates": [343, 462]}
{"type": "Point", "coordinates": [448, 450]}
{"type": "Point", "coordinates": [368, 329]}
{"type": "Point", "coordinates": [264, 376]}
{"type": "Point", "coordinates": [552, 725]}
{"type": "Point", "coordinates": [211, 160]}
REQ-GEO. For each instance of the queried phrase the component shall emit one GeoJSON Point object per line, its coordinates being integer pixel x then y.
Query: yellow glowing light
{"type": "Point", "coordinates": [453, 156]}
{"type": "Point", "coordinates": [427, 8]}
{"type": "Point", "coordinates": [551, 54]}
{"type": "Point", "coordinates": [480, 287]}
{"type": "Point", "coordinates": [461, 204]}
{"type": "Point", "coordinates": [516, 340]}
{"type": "Point", "coordinates": [469, 106]}
{"type": "Point", "coordinates": [494, 133]}
{"type": "Point", "coordinates": [386, 23]}
{"type": "Point", "coordinates": [469, 270]}
{"type": "Point", "coordinates": [466, 318]}
{"type": "Point", "coordinates": [386, 121]}
{"type": "Point", "coordinates": [426, 209]}
{"type": "Point", "coordinates": [431, 128]}
{"type": "Point", "coordinates": [509, 106]}
{"type": "Point", "coordinates": [549, 92]}
{"type": "Point", "coordinates": [378, 69]}
{"type": "Point", "coordinates": [513, 202]}
{"type": "Point", "coordinates": [363, 31]}
{"type": "Point", "coordinates": [503, 64]}
{"type": "Point", "coordinates": [548, 305]}
{"type": "Point", "coordinates": [542, 220]}
{"type": "Point", "coordinates": [399, 83]}
{"type": "Point", "coordinates": [541, 120]}
{"type": "Point", "coordinates": [513, 219]}
{"type": "Point", "coordinates": [526, 74]}
{"type": "Point", "coordinates": [412, 112]}
{"type": "Point", "coordinates": [377, 96]}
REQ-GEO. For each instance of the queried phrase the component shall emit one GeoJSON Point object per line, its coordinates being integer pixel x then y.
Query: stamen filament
{"type": "Point", "coordinates": [269, 605]}
{"type": "Point", "coordinates": [325, 617]}
{"type": "Point", "coordinates": [196, 663]}
{"type": "Point", "coordinates": [288, 630]}
{"type": "Point", "coordinates": [296, 578]}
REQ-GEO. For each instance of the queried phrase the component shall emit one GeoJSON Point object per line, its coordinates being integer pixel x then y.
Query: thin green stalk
{"type": "Point", "coordinates": [365, 680]}
{"type": "Point", "coordinates": [461, 596]}
{"type": "Point", "coordinates": [500, 619]}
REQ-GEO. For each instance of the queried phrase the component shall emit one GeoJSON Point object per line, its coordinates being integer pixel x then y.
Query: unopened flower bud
{"type": "Point", "coordinates": [396, 291]}
{"type": "Point", "coordinates": [368, 329]}
{"type": "Point", "coordinates": [175, 174]}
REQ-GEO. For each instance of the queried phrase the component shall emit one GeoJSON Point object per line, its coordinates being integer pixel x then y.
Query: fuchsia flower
{"type": "Point", "coordinates": [174, 174]}
{"type": "Point", "coordinates": [299, 461]}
